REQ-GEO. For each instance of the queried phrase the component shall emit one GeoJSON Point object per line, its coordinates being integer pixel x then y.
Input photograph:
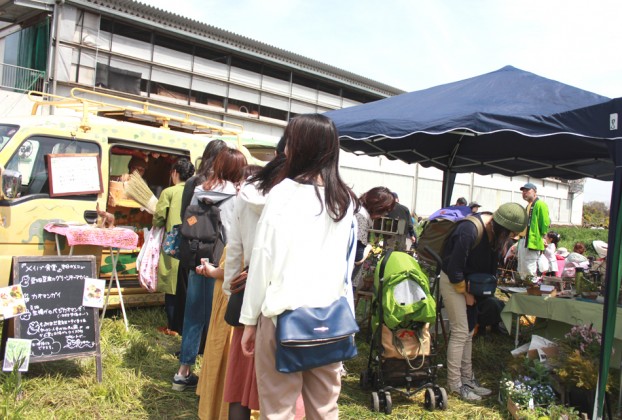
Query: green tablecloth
{"type": "Point", "coordinates": [568, 311]}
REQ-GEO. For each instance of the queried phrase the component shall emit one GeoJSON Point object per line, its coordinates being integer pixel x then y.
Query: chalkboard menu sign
{"type": "Point", "coordinates": [56, 322]}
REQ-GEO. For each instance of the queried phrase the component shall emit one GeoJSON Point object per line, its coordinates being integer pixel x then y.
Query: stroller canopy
{"type": "Point", "coordinates": [405, 294]}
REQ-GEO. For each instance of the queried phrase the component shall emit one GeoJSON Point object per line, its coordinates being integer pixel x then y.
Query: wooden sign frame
{"type": "Point", "coordinates": [22, 321]}
{"type": "Point", "coordinates": [74, 174]}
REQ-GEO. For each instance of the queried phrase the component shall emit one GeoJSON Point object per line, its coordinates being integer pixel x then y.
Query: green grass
{"type": "Point", "coordinates": [137, 369]}
{"type": "Point", "coordinates": [138, 366]}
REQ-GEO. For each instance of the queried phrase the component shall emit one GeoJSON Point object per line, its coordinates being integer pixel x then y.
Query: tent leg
{"type": "Point", "coordinates": [619, 413]}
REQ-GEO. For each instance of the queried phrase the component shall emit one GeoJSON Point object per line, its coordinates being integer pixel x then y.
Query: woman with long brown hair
{"type": "Point", "coordinates": [299, 259]}
{"type": "Point", "coordinates": [220, 186]}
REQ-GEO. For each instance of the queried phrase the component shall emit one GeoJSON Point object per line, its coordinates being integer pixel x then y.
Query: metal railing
{"type": "Point", "coordinates": [21, 79]}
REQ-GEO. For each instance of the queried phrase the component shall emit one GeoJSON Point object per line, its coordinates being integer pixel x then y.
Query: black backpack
{"type": "Point", "coordinates": [202, 234]}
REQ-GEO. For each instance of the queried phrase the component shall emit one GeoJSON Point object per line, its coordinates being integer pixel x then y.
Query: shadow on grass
{"type": "Point", "coordinates": [72, 368]}
{"type": "Point", "coordinates": [149, 354]}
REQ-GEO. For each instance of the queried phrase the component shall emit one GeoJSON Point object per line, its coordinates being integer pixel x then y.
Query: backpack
{"type": "Point", "coordinates": [202, 234]}
{"type": "Point", "coordinates": [435, 233]}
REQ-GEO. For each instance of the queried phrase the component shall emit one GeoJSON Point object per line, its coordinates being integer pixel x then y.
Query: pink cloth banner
{"type": "Point", "coordinates": [90, 235]}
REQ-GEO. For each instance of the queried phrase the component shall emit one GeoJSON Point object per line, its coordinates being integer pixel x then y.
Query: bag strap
{"type": "Point", "coordinates": [479, 225]}
{"type": "Point", "coordinates": [349, 251]}
{"type": "Point", "coordinates": [223, 234]}
{"type": "Point", "coordinates": [399, 346]}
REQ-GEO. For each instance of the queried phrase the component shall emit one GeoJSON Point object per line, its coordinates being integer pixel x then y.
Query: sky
{"type": "Point", "coordinates": [417, 44]}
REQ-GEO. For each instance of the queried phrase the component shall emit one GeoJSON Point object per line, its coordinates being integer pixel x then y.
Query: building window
{"type": "Point", "coordinates": [173, 44]}
{"type": "Point", "coordinates": [128, 31]}
{"type": "Point", "coordinates": [29, 47]}
{"type": "Point", "coordinates": [118, 79]}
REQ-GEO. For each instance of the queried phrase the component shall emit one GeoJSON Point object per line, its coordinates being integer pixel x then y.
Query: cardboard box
{"type": "Point", "coordinates": [543, 290]}
{"type": "Point", "coordinates": [542, 353]}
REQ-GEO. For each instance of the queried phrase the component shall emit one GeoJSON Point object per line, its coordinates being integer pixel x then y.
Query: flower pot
{"type": "Point", "coordinates": [582, 399]}
{"type": "Point", "coordinates": [512, 408]}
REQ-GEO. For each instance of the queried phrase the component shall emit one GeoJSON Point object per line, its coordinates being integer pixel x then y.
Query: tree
{"type": "Point", "coordinates": [595, 213]}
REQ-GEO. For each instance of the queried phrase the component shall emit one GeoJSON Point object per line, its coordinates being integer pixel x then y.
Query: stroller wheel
{"type": "Point", "coordinates": [388, 403]}
{"type": "Point", "coordinates": [430, 399]}
{"type": "Point", "coordinates": [375, 402]}
{"type": "Point", "coordinates": [364, 382]}
{"type": "Point", "coordinates": [441, 398]}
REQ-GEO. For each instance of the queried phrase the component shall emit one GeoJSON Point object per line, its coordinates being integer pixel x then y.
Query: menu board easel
{"type": "Point", "coordinates": [56, 322]}
{"type": "Point", "coordinates": [74, 174]}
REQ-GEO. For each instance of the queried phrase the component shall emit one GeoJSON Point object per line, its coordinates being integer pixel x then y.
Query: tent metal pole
{"type": "Point", "coordinates": [612, 281]}
{"type": "Point", "coordinates": [449, 177]}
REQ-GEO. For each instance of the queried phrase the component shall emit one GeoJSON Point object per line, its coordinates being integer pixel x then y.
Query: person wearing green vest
{"type": "Point", "coordinates": [531, 240]}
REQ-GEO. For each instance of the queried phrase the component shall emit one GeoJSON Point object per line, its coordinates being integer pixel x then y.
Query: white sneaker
{"type": "Point", "coordinates": [466, 393]}
{"type": "Point", "coordinates": [475, 386]}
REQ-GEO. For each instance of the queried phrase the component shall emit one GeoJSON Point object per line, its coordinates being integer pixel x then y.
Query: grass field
{"type": "Point", "coordinates": [138, 366]}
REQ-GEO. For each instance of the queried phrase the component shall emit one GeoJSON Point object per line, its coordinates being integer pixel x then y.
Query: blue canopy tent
{"type": "Point", "coordinates": [509, 122]}
{"type": "Point", "coordinates": [487, 124]}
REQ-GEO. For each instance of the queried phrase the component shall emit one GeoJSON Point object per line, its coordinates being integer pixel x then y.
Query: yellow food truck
{"type": "Point", "coordinates": [114, 130]}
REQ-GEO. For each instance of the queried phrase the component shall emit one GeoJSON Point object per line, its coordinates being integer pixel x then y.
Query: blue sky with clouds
{"type": "Point", "coordinates": [416, 44]}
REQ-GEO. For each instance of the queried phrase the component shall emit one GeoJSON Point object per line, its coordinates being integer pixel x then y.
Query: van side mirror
{"type": "Point", "coordinates": [11, 183]}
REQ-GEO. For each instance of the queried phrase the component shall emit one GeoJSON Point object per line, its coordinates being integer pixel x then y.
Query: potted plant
{"type": "Point", "coordinates": [576, 365]}
{"type": "Point", "coordinates": [527, 386]}
{"type": "Point", "coordinates": [590, 286]}
{"type": "Point", "coordinates": [527, 392]}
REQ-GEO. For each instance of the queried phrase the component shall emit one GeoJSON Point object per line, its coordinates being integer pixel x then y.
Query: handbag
{"type": "Point", "coordinates": [407, 344]}
{"type": "Point", "coordinates": [307, 338]}
{"type": "Point", "coordinates": [311, 337]}
{"type": "Point", "coordinates": [149, 256]}
{"type": "Point", "coordinates": [170, 245]}
{"type": "Point", "coordinates": [234, 306]}
{"type": "Point", "coordinates": [481, 284]}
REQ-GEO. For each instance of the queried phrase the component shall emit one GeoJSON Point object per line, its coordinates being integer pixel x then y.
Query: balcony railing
{"type": "Point", "coordinates": [21, 79]}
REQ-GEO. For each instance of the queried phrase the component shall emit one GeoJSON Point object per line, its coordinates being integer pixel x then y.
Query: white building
{"type": "Point", "coordinates": [140, 52]}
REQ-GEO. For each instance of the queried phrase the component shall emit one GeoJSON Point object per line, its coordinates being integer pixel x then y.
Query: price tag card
{"type": "Point", "coordinates": [17, 354]}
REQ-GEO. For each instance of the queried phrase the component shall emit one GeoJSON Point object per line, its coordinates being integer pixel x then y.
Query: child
{"type": "Point", "coordinates": [551, 239]}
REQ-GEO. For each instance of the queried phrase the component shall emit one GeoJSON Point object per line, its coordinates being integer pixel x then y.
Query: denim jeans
{"type": "Point", "coordinates": [196, 315]}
